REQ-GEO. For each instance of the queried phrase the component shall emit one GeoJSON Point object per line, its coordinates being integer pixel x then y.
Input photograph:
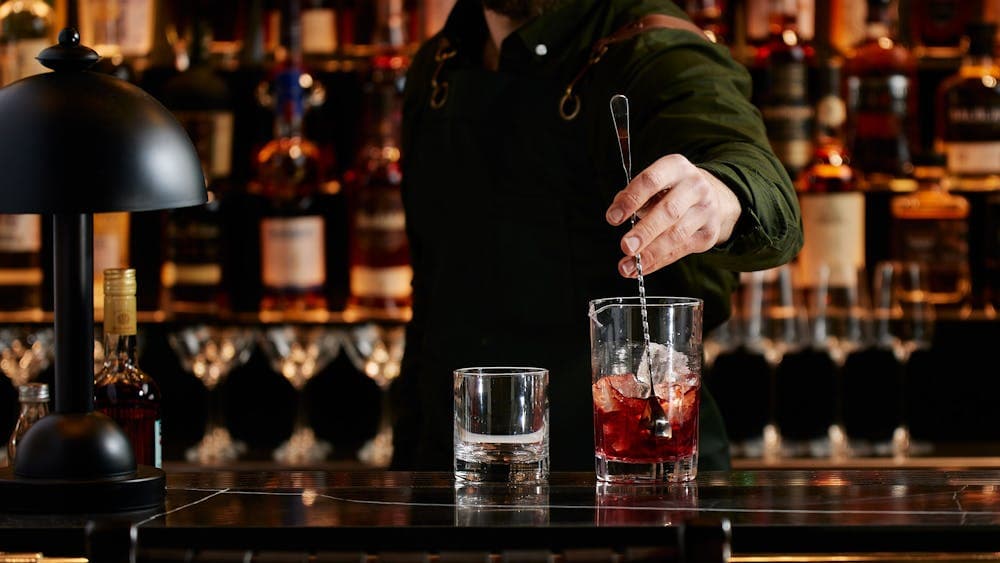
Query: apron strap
{"type": "Point", "coordinates": [569, 104]}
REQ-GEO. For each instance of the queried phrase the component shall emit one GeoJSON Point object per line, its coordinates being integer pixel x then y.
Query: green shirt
{"type": "Point", "coordinates": [505, 202]}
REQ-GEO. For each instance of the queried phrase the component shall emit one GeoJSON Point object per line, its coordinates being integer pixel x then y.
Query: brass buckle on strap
{"type": "Point", "coordinates": [439, 89]}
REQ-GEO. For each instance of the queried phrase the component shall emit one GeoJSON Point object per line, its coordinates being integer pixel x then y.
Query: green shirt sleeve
{"type": "Point", "coordinates": [690, 97]}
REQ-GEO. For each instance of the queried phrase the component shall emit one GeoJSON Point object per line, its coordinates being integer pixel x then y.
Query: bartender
{"type": "Point", "coordinates": [518, 213]}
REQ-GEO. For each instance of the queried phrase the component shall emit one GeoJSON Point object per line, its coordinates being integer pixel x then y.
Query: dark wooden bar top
{"type": "Point", "coordinates": [771, 511]}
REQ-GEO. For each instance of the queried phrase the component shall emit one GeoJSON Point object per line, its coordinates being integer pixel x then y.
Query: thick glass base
{"type": "Point", "coordinates": [521, 472]}
{"type": "Point", "coordinates": [677, 470]}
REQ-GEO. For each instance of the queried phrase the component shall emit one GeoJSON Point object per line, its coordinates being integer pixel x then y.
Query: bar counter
{"type": "Point", "coordinates": [923, 513]}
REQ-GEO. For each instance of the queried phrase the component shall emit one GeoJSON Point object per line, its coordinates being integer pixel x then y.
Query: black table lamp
{"type": "Point", "coordinates": [74, 143]}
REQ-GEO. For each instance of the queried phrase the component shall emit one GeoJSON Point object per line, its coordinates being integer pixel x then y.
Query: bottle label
{"type": "Point", "coordinates": [174, 274]}
{"type": "Point", "coordinates": [319, 31]}
{"type": "Point", "coordinates": [974, 158]}
{"type": "Point", "coordinates": [119, 314]}
{"type": "Point", "coordinates": [212, 135]}
{"type": "Point", "coordinates": [135, 20]}
{"type": "Point", "coordinates": [20, 276]}
{"type": "Point", "coordinates": [390, 221]}
{"type": "Point", "coordinates": [20, 233]}
{"type": "Point", "coordinates": [833, 227]}
{"type": "Point", "coordinates": [789, 130]}
{"type": "Point", "coordinates": [392, 282]}
{"type": "Point", "coordinates": [292, 252]}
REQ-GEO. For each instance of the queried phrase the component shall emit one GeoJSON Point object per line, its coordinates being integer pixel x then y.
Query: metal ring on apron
{"type": "Point", "coordinates": [569, 100]}
{"type": "Point", "coordinates": [439, 95]}
{"type": "Point", "coordinates": [439, 89]}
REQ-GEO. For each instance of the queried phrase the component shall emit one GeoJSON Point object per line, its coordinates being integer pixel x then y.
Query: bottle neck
{"type": "Point", "coordinates": [289, 104]}
{"type": "Point", "coordinates": [119, 330]}
{"type": "Point", "coordinates": [34, 409]}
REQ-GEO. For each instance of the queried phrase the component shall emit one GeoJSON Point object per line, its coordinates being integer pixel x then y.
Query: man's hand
{"type": "Point", "coordinates": [682, 210]}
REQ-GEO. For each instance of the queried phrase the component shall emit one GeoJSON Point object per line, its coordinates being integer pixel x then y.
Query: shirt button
{"type": "Point", "coordinates": [541, 50]}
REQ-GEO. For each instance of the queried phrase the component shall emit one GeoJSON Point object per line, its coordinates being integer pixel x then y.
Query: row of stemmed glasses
{"type": "Point", "coordinates": [810, 328]}
{"type": "Point", "coordinates": [298, 353]}
{"type": "Point", "coordinates": [211, 352]}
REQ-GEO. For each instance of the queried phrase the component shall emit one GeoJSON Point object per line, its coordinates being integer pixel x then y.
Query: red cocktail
{"type": "Point", "coordinates": [621, 422]}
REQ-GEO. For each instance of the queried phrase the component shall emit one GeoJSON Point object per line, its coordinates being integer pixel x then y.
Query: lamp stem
{"type": "Point", "coordinates": [73, 269]}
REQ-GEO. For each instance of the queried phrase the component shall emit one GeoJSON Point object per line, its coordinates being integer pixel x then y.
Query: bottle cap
{"type": "Point", "coordinates": [119, 281]}
{"type": "Point", "coordinates": [33, 392]}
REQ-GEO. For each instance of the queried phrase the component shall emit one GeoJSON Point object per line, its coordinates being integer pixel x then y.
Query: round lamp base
{"type": "Point", "coordinates": [145, 490]}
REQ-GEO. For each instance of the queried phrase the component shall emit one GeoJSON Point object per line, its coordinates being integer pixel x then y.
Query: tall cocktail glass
{"type": "Point", "coordinates": [626, 448]}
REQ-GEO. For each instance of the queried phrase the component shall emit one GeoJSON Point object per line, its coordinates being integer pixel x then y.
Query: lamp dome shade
{"type": "Point", "coordinates": [76, 141]}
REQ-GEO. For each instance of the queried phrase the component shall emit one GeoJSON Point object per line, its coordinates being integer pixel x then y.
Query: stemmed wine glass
{"type": "Point", "coordinates": [904, 323]}
{"type": "Point", "coordinates": [377, 351]}
{"type": "Point", "coordinates": [25, 352]}
{"type": "Point", "coordinates": [298, 352]}
{"type": "Point", "coordinates": [838, 306]}
{"type": "Point", "coordinates": [210, 353]}
{"type": "Point", "coordinates": [774, 327]}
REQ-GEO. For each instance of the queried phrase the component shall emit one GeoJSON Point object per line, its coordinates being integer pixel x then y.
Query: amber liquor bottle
{"type": "Point", "coordinates": [784, 99]}
{"type": "Point", "coordinates": [968, 132]}
{"type": "Point", "coordinates": [291, 177]}
{"type": "Point", "coordinates": [380, 270]}
{"type": "Point", "coordinates": [968, 114]}
{"type": "Point", "coordinates": [881, 101]}
{"type": "Point", "coordinates": [191, 276]}
{"type": "Point", "coordinates": [832, 205]}
{"type": "Point", "coordinates": [123, 390]}
{"type": "Point", "coordinates": [930, 226]}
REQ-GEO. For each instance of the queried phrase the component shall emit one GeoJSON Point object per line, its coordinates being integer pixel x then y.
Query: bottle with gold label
{"type": "Point", "coordinates": [122, 390]}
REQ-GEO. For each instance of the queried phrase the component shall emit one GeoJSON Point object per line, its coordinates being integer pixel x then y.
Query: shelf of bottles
{"type": "Point", "coordinates": [272, 318]}
{"type": "Point", "coordinates": [886, 116]}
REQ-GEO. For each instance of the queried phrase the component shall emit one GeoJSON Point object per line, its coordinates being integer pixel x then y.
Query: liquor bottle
{"type": "Point", "coordinates": [831, 203]}
{"type": "Point", "coordinates": [123, 390]}
{"type": "Point", "coordinates": [291, 176]}
{"type": "Point", "coordinates": [968, 114]}
{"type": "Point", "coordinates": [930, 226]}
{"type": "Point", "coordinates": [26, 27]}
{"type": "Point", "coordinates": [380, 271]}
{"type": "Point", "coordinates": [130, 22]}
{"type": "Point", "coordinates": [881, 101]}
{"type": "Point", "coordinates": [784, 101]}
{"type": "Point", "coordinates": [164, 54]}
{"type": "Point", "coordinates": [938, 25]}
{"type": "Point", "coordinates": [967, 130]}
{"type": "Point", "coordinates": [191, 276]}
{"type": "Point", "coordinates": [34, 404]}
{"type": "Point", "coordinates": [101, 29]}
{"type": "Point", "coordinates": [21, 272]}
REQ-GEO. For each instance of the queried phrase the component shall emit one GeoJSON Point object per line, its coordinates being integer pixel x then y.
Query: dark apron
{"type": "Point", "coordinates": [507, 206]}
